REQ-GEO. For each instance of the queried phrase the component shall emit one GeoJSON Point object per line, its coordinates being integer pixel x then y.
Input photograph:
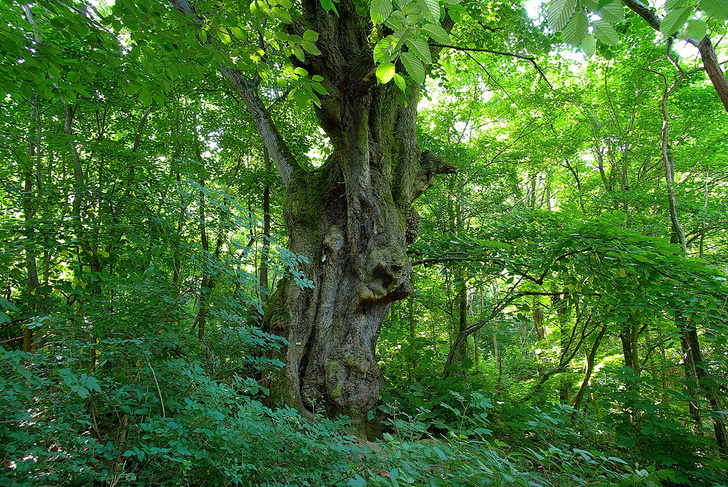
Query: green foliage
{"type": "Point", "coordinates": [143, 228]}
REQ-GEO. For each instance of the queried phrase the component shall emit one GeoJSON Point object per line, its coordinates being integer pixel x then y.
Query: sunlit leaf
{"type": "Point", "coordinates": [674, 20]}
{"type": "Point", "coordinates": [399, 81]}
{"type": "Point", "coordinates": [433, 7]}
{"type": "Point", "coordinates": [437, 33]}
{"type": "Point", "coordinates": [612, 12]}
{"type": "Point", "coordinates": [380, 10]}
{"type": "Point", "coordinates": [589, 45]}
{"type": "Point", "coordinates": [604, 31]}
{"type": "Point", "coordinates": [718, 9]}
{"type": "Point", "coordinates": [420, 48]}
{"type": "Point", "coordinates": [414, 67]}
{"type": "Point", "coordinates": [385, 72]}
{"type": "Point", "coordinates": [576, 29]}
{"type": "Point", "coordinates": [560, 12]}
{"type": "Point", "coordinates": [696, 29]}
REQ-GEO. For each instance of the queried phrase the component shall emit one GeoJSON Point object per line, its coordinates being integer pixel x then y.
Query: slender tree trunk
{"type": "Point", "coordinates": [629, 337]}
{"type": "Point", "coordinates": [175, 170]}
{"type": "Point", "coordinates": [538, 318]}
{"type": "Point", "coordinates": [461, 287]}
{"type": "Point", "coordinates": [561, 304]}
{"type": "Point", "coordinates": [590, 357]}
{"type": "Point", "coordinates": [705, 383]}
{"type": "Point", "coordinates": [30, 208]}
{"type": "Point", "coordinates": [265, 255]}
{"type": "Point", "coordinates": [476, 352]}
{"type": "Point", "coordinates": [205, 285]}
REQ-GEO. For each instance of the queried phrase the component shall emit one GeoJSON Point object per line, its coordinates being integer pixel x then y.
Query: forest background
{"type": "Point", "coordinates": [566, 323]}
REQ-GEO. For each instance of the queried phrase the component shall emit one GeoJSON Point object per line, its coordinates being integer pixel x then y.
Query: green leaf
{"type": "Point", "coordinates": [224, 36]}
{"type": "Point", "coordinates": [437, 33]}
{"type": "Point", "coordinates": [576, 29]}
{"type": "Point", "coordinates": [382, 52]}
{"type": "Point", "coordinates": [385, 72]}
{"type": "Point", "coordinates": [357, 481]}
{"type": "Point", "coordinates": [4, 318]}
{"type": "Point", "coordinates": [399, 81]}
{"type": "Point", "coordinates": [298, 52]}
{"type": "Point", "coordinates": [674, 20]}
{"type": "Point", "coordinates": [319, 88]}
{"type": "Point", "coordinates": [718, 9]}
{"type": "Point", "coordinates": [604, 31]}
{"type": "Point", "coordinates": [414, 67]}
{"type": "Point", "coordinates": [328, 5]}
{"type": "Point", "coordinates": [420, 48]}
{"type": "Point", "coordinates": [402, 37]}
{"type": "Point", "coordinates": [671, 4]}
{"type": "Point", "coordinates": [395, 21]}
{"type": "Point", "coordinates": [310, 36]}
{"type": "Point", "coordinates": [7, 305]}
{"type": "Point", "coordinates": [589, 45]}
{"type": "Point", "coordinates": [301, 99]}
{"type": "Point", "coordinates": [380, 10]}
{"type": "Point", "coordinates": [612, 12]}
{"type": "Point", "coordinates": [559, 13]}
{"type": "Point", "coordinates": [697, 29]}
{"type": "Point", "coordinates": [310, 48]}
{"type": "Point", "coordinates": [433, 7]}
{"type": "Point", "coordinates": [281, 15]}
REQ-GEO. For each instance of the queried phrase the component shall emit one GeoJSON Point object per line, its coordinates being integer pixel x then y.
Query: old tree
{"type": "Point", "coordinates": [352, 218]}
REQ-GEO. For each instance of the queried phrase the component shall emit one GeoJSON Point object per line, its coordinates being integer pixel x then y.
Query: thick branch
{"type": "Point", "coordinates": [644, 11]}
{"type": "Point", "coordinates": [277, 149]}
{"type": "Point", "coordinates": [712, 67]}
{"type": "Point", "coordinates": [430, 166]}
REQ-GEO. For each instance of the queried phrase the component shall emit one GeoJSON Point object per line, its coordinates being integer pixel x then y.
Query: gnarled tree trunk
{"type": "Point", "coordinates": [352, 219]}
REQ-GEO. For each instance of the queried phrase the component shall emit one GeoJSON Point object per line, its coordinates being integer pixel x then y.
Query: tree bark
{"type": "Point", "coordinates": [461, 285]}
{"type": "Point", "coordinates": [351, 219]}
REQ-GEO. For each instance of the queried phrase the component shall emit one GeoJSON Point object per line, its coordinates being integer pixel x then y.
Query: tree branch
{"type": "Point", "coordinates": [262, 121]}
{"type": "Point", "coordinates": [530, 59]}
